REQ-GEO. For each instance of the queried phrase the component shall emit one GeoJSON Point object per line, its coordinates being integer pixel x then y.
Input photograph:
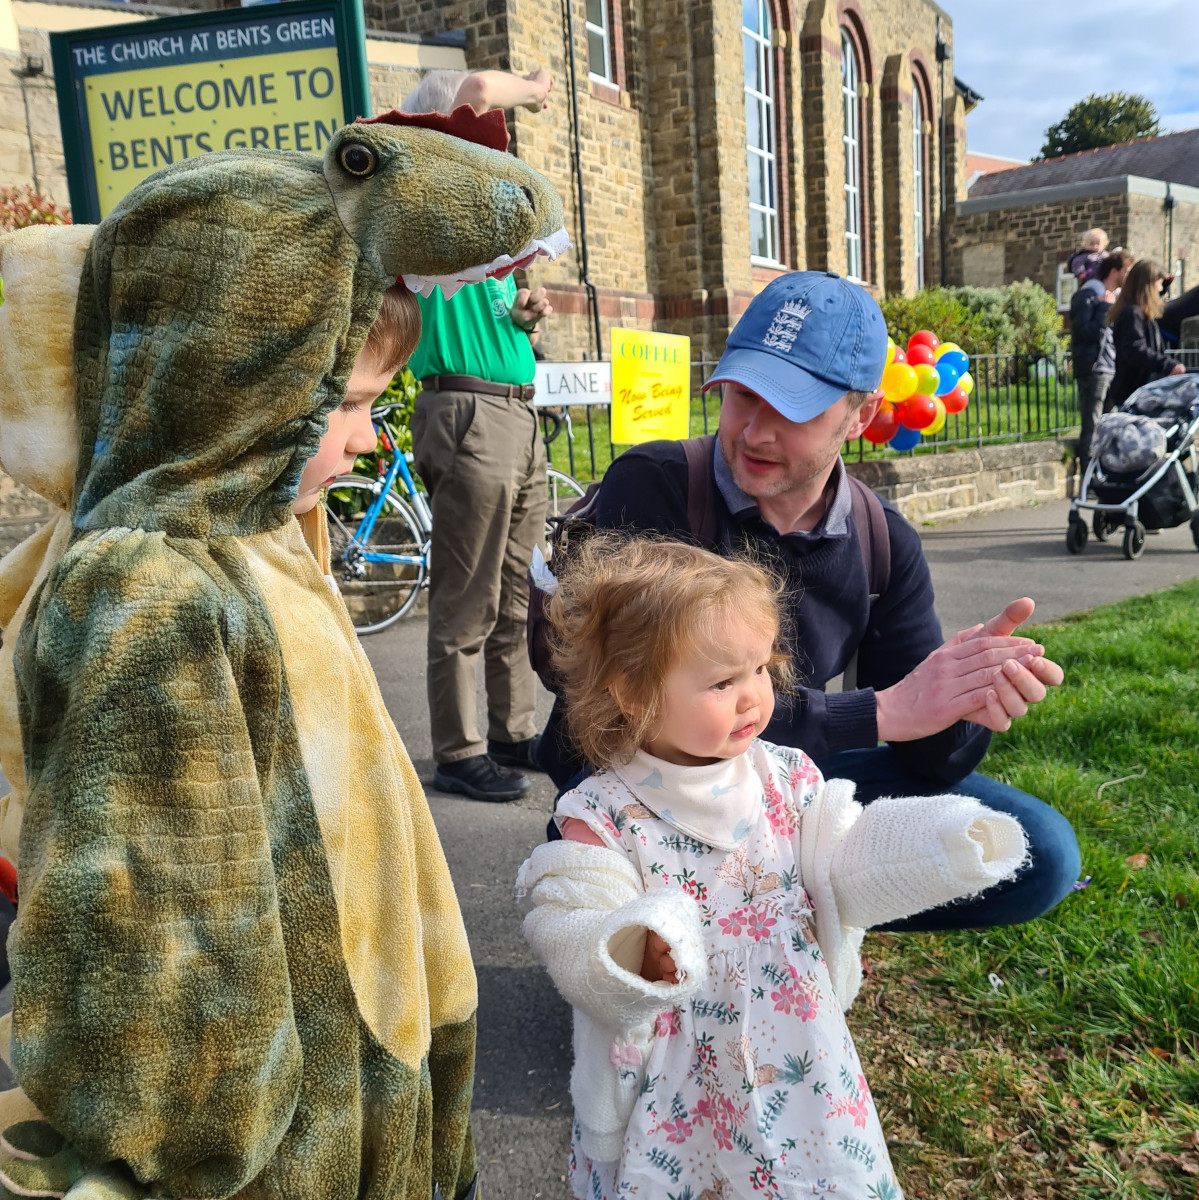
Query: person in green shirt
{"type": "Point", "coordinates": [478, 448]}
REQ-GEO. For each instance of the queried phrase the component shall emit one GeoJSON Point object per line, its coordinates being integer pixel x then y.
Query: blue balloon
{"type": "Point", "coordinates": [956, 359]}
{"type": "Point", "coordinates": [948, 374]}
{"type": "Point", "coordinates": [905, 439]}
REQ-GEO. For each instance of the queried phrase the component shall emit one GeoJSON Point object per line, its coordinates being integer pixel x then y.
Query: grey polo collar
{"type": "Point", "coordinates": [834, 523]}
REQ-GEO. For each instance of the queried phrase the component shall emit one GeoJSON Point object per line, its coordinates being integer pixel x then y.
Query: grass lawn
{"type": "Point", "coordinates": [1077, 1075]}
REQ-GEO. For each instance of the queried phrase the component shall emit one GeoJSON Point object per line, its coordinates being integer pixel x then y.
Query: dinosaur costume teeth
{"type": "Point", "coordinates": [239, 968]}
{"type": "Point", "coordinates": [499, 268]}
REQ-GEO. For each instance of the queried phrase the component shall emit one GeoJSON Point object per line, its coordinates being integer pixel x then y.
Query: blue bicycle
{"type": "Point", "coordinates": [380, 530]}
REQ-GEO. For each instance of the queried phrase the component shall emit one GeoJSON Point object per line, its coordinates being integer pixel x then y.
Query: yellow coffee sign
{"type": "Point", "coordinates": [651, 386]}
{"type": "Point", "coordinates": [155, 93]}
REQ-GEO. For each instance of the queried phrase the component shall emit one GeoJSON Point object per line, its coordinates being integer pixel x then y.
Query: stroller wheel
{"type": "Point", "coordinates": [1195, 530]}
{"type": "Point", "coordinates": [1102, 525]}
{"type": "Point", "coordinates": [1076, 535]}
{"type": "Point", "coordinates": [1134, 540]}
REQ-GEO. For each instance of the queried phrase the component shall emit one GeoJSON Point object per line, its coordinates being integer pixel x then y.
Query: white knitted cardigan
{"type": "Point", "coordinates": [588, 912]}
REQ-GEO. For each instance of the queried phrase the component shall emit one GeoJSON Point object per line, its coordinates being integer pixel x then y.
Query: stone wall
{"type": "Point", "coordinates": [932, 488]}
{"type": "Point", "coordinates": [1026, 235]}
{"type": "Point", "coordinates": [662, 162]}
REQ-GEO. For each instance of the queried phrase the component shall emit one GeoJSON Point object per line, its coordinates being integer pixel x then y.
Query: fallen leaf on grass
{"type": "Point", "coordinates": [1137, 862]}
{"type": "Point", "coordinates": [1150, 935]}
{"type": "Point", "coordinates": [1158, 1052]}
{"type": "Point", "coordinates": [1180, 900]}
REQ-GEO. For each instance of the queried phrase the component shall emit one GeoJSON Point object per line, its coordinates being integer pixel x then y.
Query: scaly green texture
{"type": "Point", "coordinates": [181, 1009]}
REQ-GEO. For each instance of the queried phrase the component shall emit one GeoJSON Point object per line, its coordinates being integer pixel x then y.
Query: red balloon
{"type": "Point", "coordinates": [918, 412]}
{"type": "Point", "coordinates": [884, 426]}
{"type": "Point", "coordinates": [900, 357]}
{"type": "Point", "coordinates": [920, 355]}
{"type": "Point", "coordinates": [924, 337]}
{"type": "Point", "coordinates": [955, 400]}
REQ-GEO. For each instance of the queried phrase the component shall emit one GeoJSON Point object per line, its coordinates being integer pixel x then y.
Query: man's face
{"type": "Point", "coordinates": [770, 455]}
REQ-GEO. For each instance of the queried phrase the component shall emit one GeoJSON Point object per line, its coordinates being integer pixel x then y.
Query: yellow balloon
{"type": "Point", "coordinates": [899, 382]}
{"type": "Point", "coordinates": [927, 379]}
{"type": "Point", "coordinates": [966, 382]}
{"type": "Point", "coordinates": [944, 348]}
{"type": "Point", "coordinates": [938, 422]}
{"type": "Point", "coordinates": [890, 351]}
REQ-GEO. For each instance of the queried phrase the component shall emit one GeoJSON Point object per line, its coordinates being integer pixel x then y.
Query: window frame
{"type": "Point", "coordinates": [767, 104]}
{"type": "Point", "coordinates": [920, 214]}
{"type": "Point", "coordinates": [605, 35]}
{"type": "Point", "coordinates": [853, 152]}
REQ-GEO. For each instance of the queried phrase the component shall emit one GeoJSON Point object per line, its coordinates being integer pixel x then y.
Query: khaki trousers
{"type": "Point", "coordinates": [483, 461]}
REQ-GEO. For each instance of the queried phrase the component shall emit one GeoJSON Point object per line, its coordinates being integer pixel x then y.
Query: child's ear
{"type": "Point", "coordinates": [622, 692]}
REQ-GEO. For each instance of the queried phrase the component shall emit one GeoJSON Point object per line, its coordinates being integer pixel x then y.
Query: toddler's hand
{"type": "Point", "coordinates": [657, 966]}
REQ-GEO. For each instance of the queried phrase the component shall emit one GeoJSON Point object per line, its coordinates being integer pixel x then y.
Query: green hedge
{"type": "Point", "coordinates": [1021, 318]}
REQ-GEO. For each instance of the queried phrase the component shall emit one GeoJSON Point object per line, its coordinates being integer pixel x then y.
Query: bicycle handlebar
{"type": "Point", "coordinates": [382, 410]}
{"type": "Point", "coordinates": [559, 420]}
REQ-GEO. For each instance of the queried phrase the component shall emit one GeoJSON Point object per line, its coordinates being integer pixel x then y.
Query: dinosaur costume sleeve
{"type": "Point", "coordinates": [239, 968]}
{"type": "Point", "coordinates": [149, 908]}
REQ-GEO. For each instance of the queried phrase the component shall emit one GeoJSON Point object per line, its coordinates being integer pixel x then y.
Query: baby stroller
{"type": "Point", "coordinates": [1142, 473]}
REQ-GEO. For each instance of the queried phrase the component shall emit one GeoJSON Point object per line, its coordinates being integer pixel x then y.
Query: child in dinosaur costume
{"type": "Point", "coordinates": [239, 968]}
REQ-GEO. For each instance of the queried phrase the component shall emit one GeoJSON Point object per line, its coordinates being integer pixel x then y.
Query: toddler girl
{"type": "Point", "coordinates": [704, 912]}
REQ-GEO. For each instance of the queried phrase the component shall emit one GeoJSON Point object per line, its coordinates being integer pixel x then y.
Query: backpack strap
{"type": "Point", "coordinates": [701, 492]}
{"type": "Point", "coordinates": [874, 542]}
{"type": "Point", "coordinates": [874, 538]}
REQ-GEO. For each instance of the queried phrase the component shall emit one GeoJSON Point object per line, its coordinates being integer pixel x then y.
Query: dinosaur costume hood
{"type": "Point", "coordinates": [239, 968]}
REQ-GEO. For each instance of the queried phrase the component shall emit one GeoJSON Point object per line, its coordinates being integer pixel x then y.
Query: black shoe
{"type": "Point", "coordinates": [480, 778]}
{"type": "Point", "coordinates": [515, 754]}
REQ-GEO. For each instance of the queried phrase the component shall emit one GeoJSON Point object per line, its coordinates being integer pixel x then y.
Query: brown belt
{"type": "Point", "coordinates": [472, 383]}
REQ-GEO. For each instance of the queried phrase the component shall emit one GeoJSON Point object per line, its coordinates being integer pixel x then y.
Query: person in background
{"type": "Point", "coordinates": [478, 448]}
{"type": "Point", "coordinates": [1083, 264]}
{"type": "Point", "coordinates": [1140, 351]}
{"type": "Point", "coordinates": [1091, 343]}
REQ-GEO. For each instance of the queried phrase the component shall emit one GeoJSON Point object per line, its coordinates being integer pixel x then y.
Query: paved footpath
{"type": "Point", "coordinates": [522, 1099]}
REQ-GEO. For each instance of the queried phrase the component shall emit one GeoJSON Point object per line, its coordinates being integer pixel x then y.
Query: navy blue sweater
{"type": "Point", "coordinates": [830, 613]}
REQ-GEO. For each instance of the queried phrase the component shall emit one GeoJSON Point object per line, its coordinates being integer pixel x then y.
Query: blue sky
{"type": "Point", "coordinates": [1032, 59]}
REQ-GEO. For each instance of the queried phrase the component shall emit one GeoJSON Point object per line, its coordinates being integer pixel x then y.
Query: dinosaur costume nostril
{"type": "Point", "coordinates": [358, 160]}
{"type": "Point", "coordinates": [529, 197]}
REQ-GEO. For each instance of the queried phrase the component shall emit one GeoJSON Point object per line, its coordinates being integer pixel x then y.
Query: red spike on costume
{"type": "Point", "coordinates": [490, 129]}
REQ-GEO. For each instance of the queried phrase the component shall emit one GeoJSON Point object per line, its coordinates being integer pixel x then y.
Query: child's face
{"type": "Point", "coordinates": [350, 432]}
{"type": "Point", "coordinates": [715, 704]}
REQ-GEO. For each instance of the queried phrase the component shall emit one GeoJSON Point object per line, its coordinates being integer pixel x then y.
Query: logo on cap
{"type": "Point", "coordinates": [785, 327]}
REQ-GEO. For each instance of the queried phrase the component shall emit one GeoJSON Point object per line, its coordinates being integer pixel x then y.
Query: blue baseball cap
{"type": "Point", "coordinates": [804, 341]}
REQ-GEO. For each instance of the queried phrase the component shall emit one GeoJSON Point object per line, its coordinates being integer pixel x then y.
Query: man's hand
{"type": "Point", "coordinates": [657, 966]}
{"type": "Point", "coordinates": [1021, 682]}
{"type": "Point", "coordinates": [982, 674]}
{"type": "Point", "coordinates": [528, 308]}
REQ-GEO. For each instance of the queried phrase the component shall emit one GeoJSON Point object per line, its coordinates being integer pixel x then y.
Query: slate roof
{"type": "Point", "coordinates": [1172, 157]}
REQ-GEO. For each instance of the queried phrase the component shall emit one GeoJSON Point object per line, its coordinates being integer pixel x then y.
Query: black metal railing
{"type": "Point", "coordinates": [1016, 398]}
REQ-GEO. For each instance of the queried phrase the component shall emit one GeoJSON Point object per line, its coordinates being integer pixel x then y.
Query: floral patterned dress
{"type": "Point", "coordinates": [754, 1088]}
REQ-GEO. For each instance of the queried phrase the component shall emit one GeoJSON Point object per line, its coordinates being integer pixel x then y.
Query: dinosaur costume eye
{"type": "Point", "coordinates": [358, 159]}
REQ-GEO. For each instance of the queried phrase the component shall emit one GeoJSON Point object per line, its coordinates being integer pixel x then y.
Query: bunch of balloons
{"type": "Point", "coordinates": [921, 386]}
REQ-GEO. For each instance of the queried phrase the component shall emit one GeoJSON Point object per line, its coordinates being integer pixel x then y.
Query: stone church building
{"type": "Point", "coordinates": [705, 146]}
{"type": "Point", "coordinates": [701, 147]}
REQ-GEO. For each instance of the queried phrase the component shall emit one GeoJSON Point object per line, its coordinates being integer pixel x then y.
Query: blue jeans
{"type": "Point", "coordinates": [1054, 859]}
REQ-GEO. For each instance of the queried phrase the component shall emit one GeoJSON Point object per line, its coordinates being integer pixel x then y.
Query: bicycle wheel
{"type": "Point", "coordinates": [563, 492]}
{"type": "Point", "coordinates": [377, 594]}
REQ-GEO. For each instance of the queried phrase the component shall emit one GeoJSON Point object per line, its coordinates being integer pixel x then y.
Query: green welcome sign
{"type": "Point", "coordinates": [135, 98]}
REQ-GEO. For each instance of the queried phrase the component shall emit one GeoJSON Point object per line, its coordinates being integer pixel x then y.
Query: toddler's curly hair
{"type": "Point", "coordinates": [627, 609]}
